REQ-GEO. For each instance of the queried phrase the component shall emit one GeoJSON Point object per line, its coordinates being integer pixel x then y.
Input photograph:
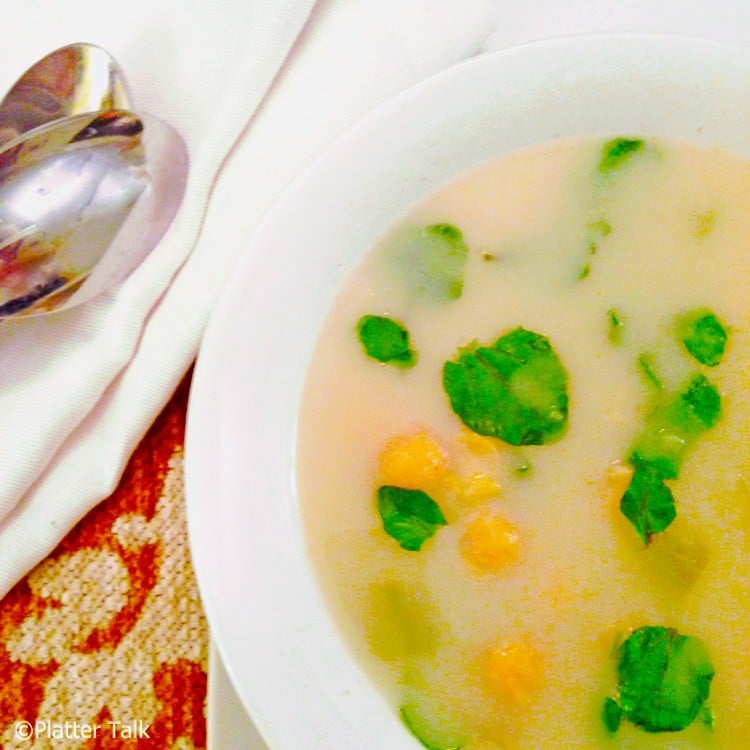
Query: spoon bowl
{"type": "Point", "coordinates": [87, 187]}
{"type": "Point", "coordinates": [82, 201]}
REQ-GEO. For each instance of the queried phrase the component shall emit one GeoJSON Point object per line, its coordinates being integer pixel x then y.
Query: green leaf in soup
{"type": "Point", "coordinates": [516, 389]}
{"type": "Point", "coordinates": [411, 517]}
{"type": "Point", "coordinates": [648, 503]}
{"type": "Point", "coordinates": [703, 335]}
{"type": "Point", "coordinates": [385, 340]}
{"type": "Point", "coordinates": [675, 424]}
{"type": "Point", "coordinates": [664, 679]}
{"type": "Point", "coordinates": [611, 715]}
{"type": "Point", "coordinates": [699, 407]}
{"type": "Point", "coordinates": [617, 151]}
{"type": "Point", "coordinates": [431, 261]}
{"type": "Point", "coordinates": [658, 452]}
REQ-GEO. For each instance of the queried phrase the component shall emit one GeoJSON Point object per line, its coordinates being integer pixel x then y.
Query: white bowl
{"type": "Point", "coordinates": [286, 658]}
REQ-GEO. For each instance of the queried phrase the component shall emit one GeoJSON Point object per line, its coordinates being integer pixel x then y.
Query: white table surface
{"type": "Point", "coordinates": [229, 727]}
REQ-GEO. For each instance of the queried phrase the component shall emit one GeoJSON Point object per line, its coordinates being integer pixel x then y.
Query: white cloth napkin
{"type": "Point", "coordinates": [255, 101]}
{"type": "Point", "coordinates": [723, 20]}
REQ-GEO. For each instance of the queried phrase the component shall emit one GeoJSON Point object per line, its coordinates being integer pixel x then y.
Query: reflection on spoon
{"type": "Point", "coordinates": [72, 80]}
{"type": "Point", "coordinates": [82, 201]}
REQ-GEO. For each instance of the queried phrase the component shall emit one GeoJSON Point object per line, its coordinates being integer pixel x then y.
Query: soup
{"type": "Point", "coordinates": [522, 458]}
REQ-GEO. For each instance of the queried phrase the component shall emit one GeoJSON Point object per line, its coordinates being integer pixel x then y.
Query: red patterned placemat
{"type": "Point", "coordinates": [104, 645]}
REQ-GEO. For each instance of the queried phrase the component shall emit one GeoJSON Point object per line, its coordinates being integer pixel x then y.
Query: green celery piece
{"type": "Point", "coordinates": [429, 724]}
{"type": "Point", "coordinates": [664, 679]}
{"type": "Point", "coordinates": [411, 517]}
{"type": "Point", "coordinates": [705, 223]}
{"type": "Point", "coordinates": [596, 230]}
{"type": "Point", "coordinates": [680, 556]}
{"type": "Point", "coordinates": [515, 389]}
{"type": "Point", "coordinates": [648, 503]}
{"type": "Point", "coordinates": [616, 327]}
{"type": "Point", "coordinates": [402, 621]}
{"type": "Point", "coordinates": [385, 340]}
{"type": "Point", "coordinates": [645, 363]}
{"type": "Point", "coordinates": [617, 151]}
{"type": "Point", "coordinates": [432, 260]}
{"type": "Point", "coordinates": [703, 335]}
{"type": "Point", "coordinates": [524, 468]}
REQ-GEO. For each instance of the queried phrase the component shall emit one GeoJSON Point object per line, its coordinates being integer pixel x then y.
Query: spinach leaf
{"type": "Point", "coordinates": [515, 389]}
{"type": "Point", "coordinates": [617, 151]}
{"type": "Point", "coordinates": [704, 336]}
{"type": "Point", "coordinates": [664, 679]}
{"type": "Point", "coordinates": [385, 340]}
{"type": "Point", "coordinates": [648, 503]}
{"type": "Point", "coordinates": [409, 516]}
{"type": "Point", "coordinates": [431, 261]}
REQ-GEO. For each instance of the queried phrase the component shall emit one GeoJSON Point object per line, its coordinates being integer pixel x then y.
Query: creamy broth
{"type": "Point", "coordinates": [511, 634]}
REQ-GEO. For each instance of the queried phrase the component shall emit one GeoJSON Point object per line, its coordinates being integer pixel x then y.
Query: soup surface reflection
{"type": "Point", "coordinates": [523, 461]}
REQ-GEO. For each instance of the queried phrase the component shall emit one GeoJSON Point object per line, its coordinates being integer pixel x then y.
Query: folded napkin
{"type": "Point", "coordinates": [723, 20]}
{"type": "Point", "coordinates": [257, 89]}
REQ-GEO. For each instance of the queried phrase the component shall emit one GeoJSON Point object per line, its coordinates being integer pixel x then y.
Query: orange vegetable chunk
{"type": "Point", "coordinates": [514, 670]}
{"type": "Point", "coordinates": [415, 461]}
{"type": "Point", "coordinates": [490, 542]}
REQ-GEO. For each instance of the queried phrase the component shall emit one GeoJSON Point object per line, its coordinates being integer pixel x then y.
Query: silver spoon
{"type": "Point", "coordinates": [83, 197]}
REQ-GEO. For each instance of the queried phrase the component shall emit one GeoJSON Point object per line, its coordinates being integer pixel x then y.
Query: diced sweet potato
{"type": "Point", "coordinates": [415, 461]}
{"type": "Point", "coordinates": [513, 670]}
{"type": "Point", "coordinates": [490, 542]}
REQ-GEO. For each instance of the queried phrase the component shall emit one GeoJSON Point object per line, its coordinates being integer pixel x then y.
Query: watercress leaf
{"type": "Point", "coordinates": [674, 424]}
{"type": "Point", "coordinates": [664, 678]}
{"type": "Point", "coordinates": [658, 452]}
{"type": "Point", "coordinates": [648, 503]}
{"type": "Point", "coordinates": [409, 516]}
{"type": "Point", "coordinates": [617, 151]}
{"type": "Point", "coordinates": [703, 335]}
{"type": "Point", "coordinates": [431, 261]}
{"type": "Point", "coordinates": [385, 340]}
{"type": "Point", "coordinates": [515, 389]}
{"type": "Point", "coordinates": [699, 405]}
